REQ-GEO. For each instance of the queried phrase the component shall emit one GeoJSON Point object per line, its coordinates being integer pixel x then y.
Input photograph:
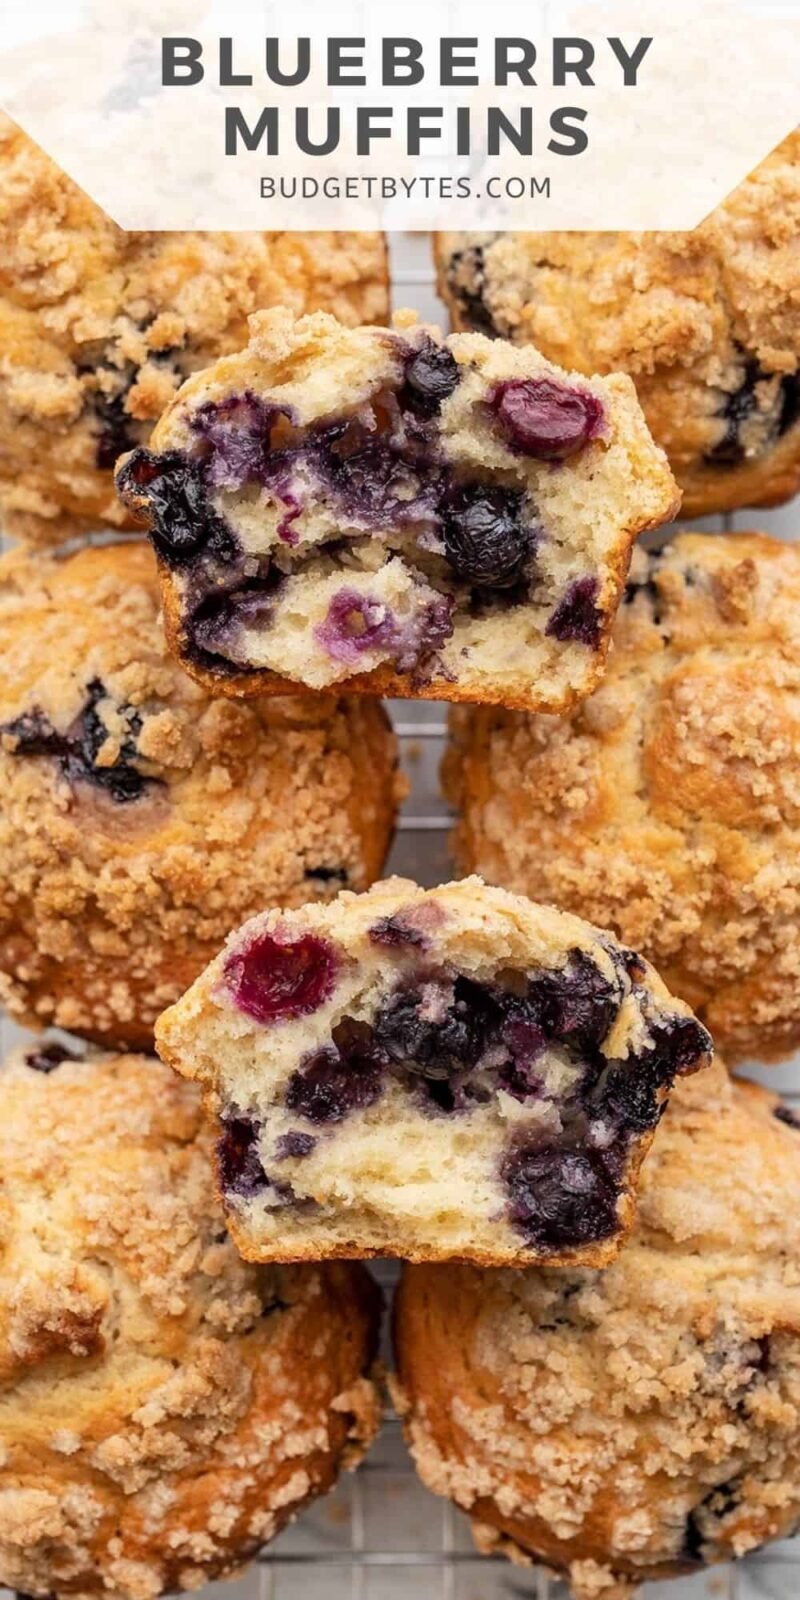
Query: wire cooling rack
{"type": "Point", "coordinates": [381, 1535]}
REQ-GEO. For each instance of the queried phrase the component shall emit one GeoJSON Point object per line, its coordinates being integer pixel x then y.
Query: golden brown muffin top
{"type": "Point", "coordinates": [163, 1405]}
{"type": "Point", "coordinates": [668, 806]}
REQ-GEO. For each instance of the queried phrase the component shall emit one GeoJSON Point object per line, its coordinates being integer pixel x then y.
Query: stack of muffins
{"type": "Point", "coordinates": [597, 1335]}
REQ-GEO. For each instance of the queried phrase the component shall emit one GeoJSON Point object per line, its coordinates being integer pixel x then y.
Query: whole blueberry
{"type": "Point", "coordinates": [431, 377]}
{"type": "Point", "coordinates": [560, 1198]}
{"type": "Point", "coordinates": [271, 980]}
{"type": "Point", "coordinates": [487, 540]}
{"type": "Point", "coordinates": [546, 419]}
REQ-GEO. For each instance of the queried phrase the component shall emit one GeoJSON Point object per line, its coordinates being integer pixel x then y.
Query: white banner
{"type": "Point", "coordinates": [234, 114]}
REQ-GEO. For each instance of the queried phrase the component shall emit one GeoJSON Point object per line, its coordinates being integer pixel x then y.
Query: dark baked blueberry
{"type": "Point", "coordinates": [629, 1093]}
{"type": "Point", "coordinates": [432, 375]}
{"type": "Point", "coordinates": [790, 403]}
{"type": "Point", "coordinates": [466, 279]}
{"type": "Point", "coordinates": [785, 1115]}
{"type": "Point", "coordinates": [546, 419]}
{"type": "Point", "coordinates": [182, 522]}
{"type": "Point", "coordinates": [34, 735]}
{"type": "Point", "coordinates": [575, 1006]}
{"type": "Point", "coordinates": [487, 540]}
{"type": "Point", "coordinates": [577, 618]}
{"type": "Point", "coordinates": [295, 1145]}
{"type": "Point", "coordinates": [78, 749]}
{"type": "Point", "coordinates": [745, 402]}
{"type": "Point", "coordinates": [437, 1030]}
{"type": "Point", "coordinates": [238, 1162]}
{"type": "Point", "coordinates": [700, 1535]}
{"type": "Point", "coordinates": [327, 874]}
{"type": "Point", "coordinates": [122, 780]}
{"type": "Point", "coordinates": [46, 1057]}
{"type": "Point", "coordinates": [345, 1077]}
{"type": "Point", "coordinates": [117, 433]}
{"type": "Point", "coordinates": [395, 932]}
{"type": "Point", "coordinates": [737, 409]}
{"type": "Point", "coordinates": [560, 1198]}
{"type": "Point", "coordinates": [647, 587]}
{"type": "Point", "coordinates": [271, 980]}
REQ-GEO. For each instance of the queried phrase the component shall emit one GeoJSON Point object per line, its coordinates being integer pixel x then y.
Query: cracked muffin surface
{"type": "Point", "coordinates": [164, 1408]}
{"type": "Point", "coordinates": [644, 1420]}
{"type": "Point", "coordinates": [668, 807]}
{"type": "Point", "coordinates": [431, 1074]}
{"type": "Point", "coordinates": [396, 513]}
{"type": "Point", "coordinates": [100, 326]}
{"type": "Point", "coordinates": [707, 323]}
{"type": "Point", "coordinates": [140, 818]}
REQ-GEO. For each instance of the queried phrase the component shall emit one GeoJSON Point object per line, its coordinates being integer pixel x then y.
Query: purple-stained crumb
{"type": "Point", "coordinates": [488, 540]}
{"type": "Point", "coordinates": [286, 527]}
{"type": "Point", "coordinates": [238, 1161]}
{"type": "Point", "coordinates": [577, 618]}
{"type": "Point", "coordinates": [560, 1198]}
{"type": "Point", "coordinates": [356, 623]}
{"type": "Point", "coordinates": [237, 435]}
{"type": "Point", "coordinates": [47, 1057]}
{"type": "Point", "coordinates": [345, 1076]}
{"type": "Point", "coordinates": [271, 979]}
{"type": "Point", "coordinates": [216, 623]}
{"type": "Point", "coordinates": [423, 636]}
{"type": "Point", "coordinates": [373, 483]}
{"type": "Point", "coordinates": [295, 1145]}
{"type": "Point", "coordinates": [546, 419]}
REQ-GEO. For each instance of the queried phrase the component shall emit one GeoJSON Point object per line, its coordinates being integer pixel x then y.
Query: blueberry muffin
{"type": "Point", "coordinates": [166, 1408]}
{"type": "Point", "coordinates": [140, 818]}
{"type": "Point", "coordinates": [642, 1421]}
{"type": "Point", "coordinates": [393, 513]}
{"type": "Point", "coordinates": [99, 326]}
{"type": "Point", "coordinates": [707, 323]}
{"type": "Point", "coordinates": [430, 1074]}
{"type": "Point", "coordinates": [668, 807]}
